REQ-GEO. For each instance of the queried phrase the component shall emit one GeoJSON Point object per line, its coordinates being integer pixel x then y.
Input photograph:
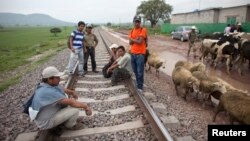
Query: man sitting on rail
{"type": "Point", "coordinates": [112, 59]}
{"type": "Point", "coordinates": [51, 107]}
{"type": "Point", "coordinates": [121, 69]}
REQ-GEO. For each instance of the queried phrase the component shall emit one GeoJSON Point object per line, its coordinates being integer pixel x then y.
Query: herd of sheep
{"type": "Point", "coordinates": [192, 78]}
{"type": "Point", "coordinates": [235, 48]}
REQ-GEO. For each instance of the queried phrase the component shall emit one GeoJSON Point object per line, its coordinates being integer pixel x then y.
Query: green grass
{"type": "Point", "coordinates": [17, 44]}
{"type": "Point", "coordinates": [8, 82]}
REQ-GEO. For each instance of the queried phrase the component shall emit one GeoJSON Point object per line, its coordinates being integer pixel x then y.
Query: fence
{"type": "Point", "coordinates": [203, 27]}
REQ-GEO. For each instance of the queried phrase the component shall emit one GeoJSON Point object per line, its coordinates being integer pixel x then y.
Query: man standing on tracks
{"type": "Point", "coordinates": [51, 107]}
{"type": "Point", "coordinates": [90, 42]}
{"type": "Point", "coordinates": [192, 37]}
{"type": "Point", "coordinates": [76, 46]}
{"type": "Point", "coordinates": [121, 69]}
{"type": "Point", "coordinates": [137, 40]}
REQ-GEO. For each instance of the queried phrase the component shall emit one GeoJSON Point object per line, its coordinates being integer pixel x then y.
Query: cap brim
{"type": "Point", "coordinates": [59, 74]}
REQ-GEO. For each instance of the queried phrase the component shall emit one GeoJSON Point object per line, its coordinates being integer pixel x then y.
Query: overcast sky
{"type": "Point", "coordinates": [102, 11]}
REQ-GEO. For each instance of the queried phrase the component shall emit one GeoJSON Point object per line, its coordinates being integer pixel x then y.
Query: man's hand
{"type": "Point", "coordinates": [71, 92]}
{"type": "Point", "coordinates": [108, 70]}
{"type": "Point", "coordinates": [74, 95]}
{"type": "Point", "coordinates": [131, 42]}
{"type": "Point", "coordinates": [73, 50]}
{"type": "Point", "coordinates": [88, 111]}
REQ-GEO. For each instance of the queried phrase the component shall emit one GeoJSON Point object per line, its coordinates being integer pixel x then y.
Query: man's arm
{"type": "Point", "coordinates": [137, 41]}
{"type": "Point", "coordinates": [71, 93]}
{"type": "Point", "coordinates": [71, 44]}
{"type": "Point", "coordinates": [113, 66]}
{"type": "Point", "coordinates": [76, 104]}
{"type": "Point", "coordinates": [96, 40]}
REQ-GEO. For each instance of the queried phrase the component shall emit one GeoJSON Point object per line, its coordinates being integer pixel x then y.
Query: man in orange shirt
{"type": "Point", "coordinates": [137, 40]}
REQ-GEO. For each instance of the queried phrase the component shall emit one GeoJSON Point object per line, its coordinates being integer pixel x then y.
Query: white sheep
{"type": "Point", "coordinates": [153, 60]}
{"type": "Point", "coordinates": [183, 78]}
{"type": "Point", "coordinates": [208, 46]}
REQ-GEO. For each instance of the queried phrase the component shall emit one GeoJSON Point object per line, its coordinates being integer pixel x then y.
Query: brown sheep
{"type": "Point", "coordinates": [209, 85]}
{"type": "Point", "coordinates": [236, 104]}
{"type": "Point", "coordinates": [154, 61]}
{"type": "Point", "coordinates": [185, 64]}
{"type": "Point", "coordinates": [190, 66]}
{"type": "Point", "coordinates": [183, 78]}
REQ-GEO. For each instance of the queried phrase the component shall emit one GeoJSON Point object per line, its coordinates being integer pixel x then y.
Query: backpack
{"type": "Point", "coordinates": [28, 103]}
{"type": "Point", "coordinates": [146, 39]}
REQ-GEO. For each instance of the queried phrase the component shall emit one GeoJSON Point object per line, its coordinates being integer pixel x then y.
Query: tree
{"type": "Point", "coordinates": [55, 30]}
{"type": "Point", "coordinates": [109, 24]}
{"type": "Point", "coordinates": [153, 10]}
{"type": "Point", "coordinates": [1, 27]}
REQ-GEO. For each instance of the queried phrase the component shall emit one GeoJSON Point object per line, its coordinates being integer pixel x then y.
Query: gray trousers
{"type": "Point", "coordinates": [67, 116]}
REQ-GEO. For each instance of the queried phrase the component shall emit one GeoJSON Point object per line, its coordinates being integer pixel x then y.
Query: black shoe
{"type": "Point", "coordinates": [95, 71]}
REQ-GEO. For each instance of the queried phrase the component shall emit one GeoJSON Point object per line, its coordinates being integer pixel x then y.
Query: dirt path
{"type": "Point", "coordinates": [192, 114]}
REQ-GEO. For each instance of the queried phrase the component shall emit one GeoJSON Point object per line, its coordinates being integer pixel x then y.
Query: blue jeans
{"type": "Point", "coordinates": [137, 62]}
{"type": "Point", "coordinates": [73, 58]}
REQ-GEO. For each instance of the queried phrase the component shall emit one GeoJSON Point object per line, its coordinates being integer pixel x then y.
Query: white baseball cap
{"type": "Point", "coordinates": [51, 71]}
{"type": "Point", "coordinates": [113, 46]}
{"type": "Point", "coordinates": [193, 27]}
{"type": "Point", "coordinates": [89, 26]}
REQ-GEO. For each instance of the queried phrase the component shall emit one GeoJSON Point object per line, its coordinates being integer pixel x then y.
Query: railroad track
{"type": "Point", "coordinates": [119, 112]}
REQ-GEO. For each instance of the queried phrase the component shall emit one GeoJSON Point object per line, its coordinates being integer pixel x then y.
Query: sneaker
{"type": "Point", "coordinates": [78, 126]}
{"type": "Point", "coordinates": [140, 90]}
{"type": "Point", "coordinates": [79, 120]}
{"type": "Point", "coordinates": [80, 75]}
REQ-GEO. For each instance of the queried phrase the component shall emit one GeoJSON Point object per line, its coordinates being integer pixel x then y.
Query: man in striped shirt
{"type": "Point", "coordinates": [76, 45]}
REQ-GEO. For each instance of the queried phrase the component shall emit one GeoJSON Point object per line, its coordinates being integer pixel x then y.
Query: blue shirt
{"type": "Point", "coordinates": [77, 39]}
{"type": "Point", "coordinates": [44, 96]}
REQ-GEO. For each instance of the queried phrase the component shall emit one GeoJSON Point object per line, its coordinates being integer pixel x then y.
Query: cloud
{"type": "Point", "coordinates": [101, 11]}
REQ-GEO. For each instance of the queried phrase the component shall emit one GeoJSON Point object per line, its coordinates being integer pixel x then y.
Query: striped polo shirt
{"type": "Point", "coordinates": [77, 39]}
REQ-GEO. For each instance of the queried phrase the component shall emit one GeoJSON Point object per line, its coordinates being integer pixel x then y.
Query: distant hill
{"type": "Point", "coordinates": [12, 19]}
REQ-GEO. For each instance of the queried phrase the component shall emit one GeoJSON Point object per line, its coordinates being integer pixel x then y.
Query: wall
{"type": "Point", "coordinates": [239, 12]}
{"type": "Point", "coordinates": [194, 17]}
{"type": "Point", "coordinates": [203, 27]}
{"type": "Point", "coordinates": [215, 15]}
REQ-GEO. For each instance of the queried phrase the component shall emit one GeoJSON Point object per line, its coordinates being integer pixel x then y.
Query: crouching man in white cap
{"type": "Point", "coordinates": [51, 107]}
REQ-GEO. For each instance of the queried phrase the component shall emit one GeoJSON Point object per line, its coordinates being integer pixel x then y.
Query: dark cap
{"type": "Point", "coordinates": [137, 18]}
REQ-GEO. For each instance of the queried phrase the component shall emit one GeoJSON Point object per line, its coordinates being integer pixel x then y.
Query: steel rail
{"type": "Point", "coordinates": [159, 129]}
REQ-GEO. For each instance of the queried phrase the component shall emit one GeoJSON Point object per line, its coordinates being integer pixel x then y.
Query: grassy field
{"type": "Point", "coordinates": [18, 44]}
